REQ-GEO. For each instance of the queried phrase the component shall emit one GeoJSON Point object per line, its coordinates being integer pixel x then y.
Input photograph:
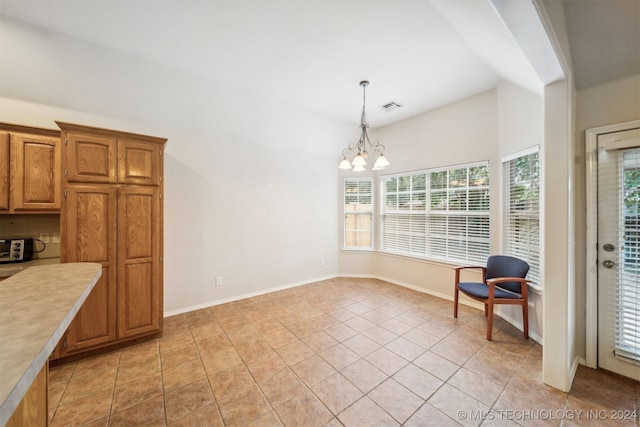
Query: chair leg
{"type": "Point", "coordinates": [525, 319]}
{"type": "Point", "coordinates": [455, 302]}
{"type": "Point", "coordinates": [486, 310]}
{"type": "Point", "coordinates": [489, 309]}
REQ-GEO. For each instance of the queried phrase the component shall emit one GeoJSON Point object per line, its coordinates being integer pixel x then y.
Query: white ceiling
{"type": "Point", "coordinates": [309, 54]}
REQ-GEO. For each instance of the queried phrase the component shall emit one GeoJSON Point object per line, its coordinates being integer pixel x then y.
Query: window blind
{"type": "Point", "coordinates": [521, 210]}
{"type": "Point", "coordinates": [628, 273]}
{"type": "Point", "coordinates": [358, 213]}
{"type": "Point", "coordinates": [437, 214]}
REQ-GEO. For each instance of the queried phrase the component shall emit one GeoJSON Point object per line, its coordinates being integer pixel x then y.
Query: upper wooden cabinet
{"type": "Point", "coordinates": [94, 155]}
{"type": "Point", "coordinates": [30, 170]}
{"type": "Point", "coordinates": [89, 158]}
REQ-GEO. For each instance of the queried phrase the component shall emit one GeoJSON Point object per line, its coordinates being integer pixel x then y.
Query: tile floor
{"type": "Point", "coordinates": [351, 352]}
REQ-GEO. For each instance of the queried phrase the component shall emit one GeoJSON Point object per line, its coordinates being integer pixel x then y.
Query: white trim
{"type": "Point", "coordinates": [518, 324]}
{"type": "Point", "coordinates": [244, 296]}
{"type": "Point", "coordinates": [526, 152]}
{"type": "Point", "coordinates": [591, 149]}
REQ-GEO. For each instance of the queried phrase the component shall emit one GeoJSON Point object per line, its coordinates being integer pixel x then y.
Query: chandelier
{"type": "Point", "coordinates": [364, 147]}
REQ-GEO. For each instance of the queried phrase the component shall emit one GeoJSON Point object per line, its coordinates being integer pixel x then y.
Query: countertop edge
{"type": "Point", "coordinates": [17, 394]}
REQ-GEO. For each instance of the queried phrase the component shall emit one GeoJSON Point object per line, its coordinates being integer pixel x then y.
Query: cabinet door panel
{"type": "Point", "coordinates": [88, 230]}
{"type": "Point", "coordinates": [139, 163]}
{"type": "Point", "coordinates": [139, 288]}
{"type": "Point", "coordinates": [35, 173]}
{"type": "Point", "coordinates": [4, 171]}
{"type": "Point", "coordinates": [89, 158]}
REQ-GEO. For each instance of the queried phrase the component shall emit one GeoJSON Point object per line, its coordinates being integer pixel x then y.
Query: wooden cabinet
{"type": "Point", "coordinates": [88, 230]}
{"type": "Point", "coordinates": [4, 171]}
{"type": "Point", "coordinates": [30, 181]}
{"type": "Point", "coordinates": [33, 409]}
{"type": "Point", "coordinates": [112, 214]}
{"type": "Point", "coordinates": [139, 300]}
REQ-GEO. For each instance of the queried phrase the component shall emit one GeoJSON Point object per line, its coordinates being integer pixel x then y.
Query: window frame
{"type": "Point", "coordinates": [429, 214]}
{"type": "Point", "coordinates": [370, 212]}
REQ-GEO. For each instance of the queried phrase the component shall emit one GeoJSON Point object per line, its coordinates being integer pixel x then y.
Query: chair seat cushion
{"type": "Point", "coordinates": [481, 290]}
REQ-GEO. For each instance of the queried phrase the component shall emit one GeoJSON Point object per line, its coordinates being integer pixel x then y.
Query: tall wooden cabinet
{"type": "Point", "coordinates": [30, 170]}
{"type": "Point", "coordinates": [111, 213]}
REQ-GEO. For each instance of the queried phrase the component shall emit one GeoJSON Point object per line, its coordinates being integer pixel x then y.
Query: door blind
{"type": "Point", "coordinates": [628, 272]}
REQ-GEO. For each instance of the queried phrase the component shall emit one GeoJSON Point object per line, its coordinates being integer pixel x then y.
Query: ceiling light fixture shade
{"type": "Point", "coordinates": [364, 146]}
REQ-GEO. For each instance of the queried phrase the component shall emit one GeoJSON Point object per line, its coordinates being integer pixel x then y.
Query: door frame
{"type": "Point", "coordinates": [591, 159]}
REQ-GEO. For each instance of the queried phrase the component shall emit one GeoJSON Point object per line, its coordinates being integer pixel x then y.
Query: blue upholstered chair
{"type": "Point", "coordinates": [503, 282]}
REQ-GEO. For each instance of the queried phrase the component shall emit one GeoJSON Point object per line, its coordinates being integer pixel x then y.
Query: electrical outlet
{"type": "Point", "coordinates": [55, 238]}
{"type": "Point", "coordinates": [218, 280]}
{"type": "Point", "coordinates": [321, 262]}
{"type": "Point", "coordinates": [44, 237]}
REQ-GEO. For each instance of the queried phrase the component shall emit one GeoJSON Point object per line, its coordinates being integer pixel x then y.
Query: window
{"type": "Point", "coordinates": [358, 213]}
{"type": "Point", "coordinates": [437, 214]}
{"type": "Point", "coordinates": [521, 209]}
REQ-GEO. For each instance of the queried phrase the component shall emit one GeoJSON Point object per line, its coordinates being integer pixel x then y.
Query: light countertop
{"type": "Point", "coordinates": [36, 307]}
{"type": "Point", "coordinates": [11, 268]}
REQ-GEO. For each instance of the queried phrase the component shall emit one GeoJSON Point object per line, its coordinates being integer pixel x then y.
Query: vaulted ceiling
{"type": "Point", "coordinates": [311, 54]}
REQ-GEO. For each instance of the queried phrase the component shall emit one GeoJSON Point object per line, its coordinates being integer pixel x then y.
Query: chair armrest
{"type": "Point", "coordinates": [462, 267]}
{"type": "Point", "coordinates": [469, 267]}
{"type": "Point", "coordinates": [497, 280]}
{"type": "Point", "coordinates": [506, 279]}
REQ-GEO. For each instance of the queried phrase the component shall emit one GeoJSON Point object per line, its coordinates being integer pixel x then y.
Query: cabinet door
{"type": "Point", "coordinates": [139, 276]}
{"type": "Point", "coordinates": [35, 172]}
{"type": "Point", "coordinates": [139, 162]}
{"type": "Point", "coordinates": [89, 158]}
{"type": "Point", "coordinates": [88, 233]}
{"type": "Point", "coordinates": [4, 171]}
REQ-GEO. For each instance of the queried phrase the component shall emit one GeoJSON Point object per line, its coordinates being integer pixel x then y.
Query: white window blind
{"type": "Point", "coordinates": [628, 280]}
{"type": "Point", "coordinates": [521, 210]}
{"type": "Point", "coordinates": [437, 214]}
{"type": "Point", "coordinates": [358, 213]}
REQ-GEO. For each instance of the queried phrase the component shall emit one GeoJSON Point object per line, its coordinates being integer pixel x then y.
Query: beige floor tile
{"type": "Point", "coordinates": [295, 352]}
{"type": "Point", "coordinates": [364, 375]}
{"type": "Point", "coordinates": [313, 370]}
{"type": "Point", "coordinates": [89, 408]}
{"type": "Point", "coordinates": [187, 399]}
{"type": "Point", "coordinates": [365, 412]}
{"type": "Point", "coordinates": [319, 341]}
{"type": "Point", "coordinates": [396, 399]}
{"type": "Point", "coordinates": [370, 353]}
{"type": "Point", "coordinates": [137, 390]}
{"type": "Point", "coordinates": [418, 381]}
{"type": "Point", "coordinates": [337, 393]}
{"type": "Point", "coordinates": [282, 386]}
{"type": "Point", "coordinates": [243, 406]}
{"type": "Point", "coordinates": [213, 344]}
{"type": "Point", "coordinates": [183, 374]}
{"type": "Point", "coordinates": [303, 410]}
{"type": "Point", "coordinates": [386, 360]}
{"type": "Point", "coordinates": [453, 402]}
{"type": "Point", "coordinates": [339, 356]}
{"type": "Point", "coordinates": [148, 413]}
{"type": "Point", "coordinates": [220, 360]}
{"type": "Point", "coordinates": [436, 365]}
{"type": "Point", "coordinates": [361, 345]}
{"type": "Point", "coordinates": [229, 381]}
{"type": "Point", "coordinates": [405, 348]}
{"type": "Point", "coordinates": [208, 416]}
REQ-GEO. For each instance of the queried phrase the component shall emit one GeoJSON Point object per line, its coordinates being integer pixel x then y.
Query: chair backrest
{"type": "Point", "coordinates": [507, 266]}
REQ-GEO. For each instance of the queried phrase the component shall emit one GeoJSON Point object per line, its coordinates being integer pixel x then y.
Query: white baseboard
{"type": "Point", "coordinates": [244, 296]}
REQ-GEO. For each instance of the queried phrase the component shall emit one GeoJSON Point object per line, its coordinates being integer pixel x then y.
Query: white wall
{"type": "Point", "coordinates": [260, 217]}
{"type": "Point", "coordinates": [487, 126]}
{"type": "Point", "coordinates": [610, 103]}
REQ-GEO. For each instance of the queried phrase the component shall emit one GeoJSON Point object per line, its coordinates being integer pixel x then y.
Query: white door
{"type": "Point", "coordinates": [619, 252]}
